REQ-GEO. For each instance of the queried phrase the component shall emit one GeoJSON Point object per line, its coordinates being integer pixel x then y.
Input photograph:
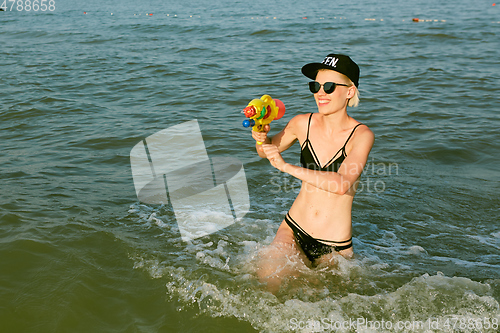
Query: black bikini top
{"type": "Point", "coordinates": [309, 160]}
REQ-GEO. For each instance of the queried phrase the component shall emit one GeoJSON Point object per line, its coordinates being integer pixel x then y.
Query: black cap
{"type": "Point", "coordinates": [335, 62]}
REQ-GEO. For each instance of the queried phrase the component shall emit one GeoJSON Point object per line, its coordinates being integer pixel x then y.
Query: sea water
{"type": "Point", "coordinates": [83, 83]}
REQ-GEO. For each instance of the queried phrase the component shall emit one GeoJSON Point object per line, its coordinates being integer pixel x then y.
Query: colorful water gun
{"type": "Point", "coordinates": [261, 112]}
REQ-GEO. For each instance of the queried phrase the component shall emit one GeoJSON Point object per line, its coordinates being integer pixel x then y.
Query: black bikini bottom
{"type": "Point", "coordinates": [314, 247]}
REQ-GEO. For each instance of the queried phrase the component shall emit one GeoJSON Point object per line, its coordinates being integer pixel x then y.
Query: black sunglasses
{"type": "Point", "coordinates": [328, 87]}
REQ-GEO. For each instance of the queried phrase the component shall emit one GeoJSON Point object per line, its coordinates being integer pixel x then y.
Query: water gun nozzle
{"type": "Point", "coordinates": [247, 123]}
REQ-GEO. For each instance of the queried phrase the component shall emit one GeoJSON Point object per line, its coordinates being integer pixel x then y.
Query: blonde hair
{"type": "Point", "coordinates": [354, 101]}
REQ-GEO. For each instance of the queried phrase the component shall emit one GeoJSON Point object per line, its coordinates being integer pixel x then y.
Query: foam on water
{"type": "Point", "coordinates": [217, 276]}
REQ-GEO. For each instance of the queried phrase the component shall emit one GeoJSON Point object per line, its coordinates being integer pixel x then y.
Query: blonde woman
{"type": "Point", "coordinates": [334, 151]}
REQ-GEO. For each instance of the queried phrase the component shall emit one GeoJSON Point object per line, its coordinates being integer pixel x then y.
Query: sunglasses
{"type": "Point", "coordinates": [328, 87]}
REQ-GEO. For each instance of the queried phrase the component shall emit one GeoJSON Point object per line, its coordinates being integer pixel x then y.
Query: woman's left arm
{"type": "Point", "coordinates": [336, 182]}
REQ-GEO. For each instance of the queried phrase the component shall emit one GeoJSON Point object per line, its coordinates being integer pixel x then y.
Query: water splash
{"type": "Point", "coordinates": [217, 276]}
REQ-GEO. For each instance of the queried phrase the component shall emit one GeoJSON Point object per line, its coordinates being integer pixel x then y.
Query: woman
{"type": "Point", "coordinates": [334, 151]}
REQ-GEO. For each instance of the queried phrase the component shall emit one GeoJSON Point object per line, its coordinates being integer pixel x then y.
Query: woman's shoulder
{"type": "Point", "coordinates": [362, 133]}
{"type": "Point", "coordinates": [297, 126]}
{"type": "Point", "coordinates": [363, 129]}
{"type": "Point", "coordinates": [298, 121]}
{"type": "Point", "coordinates": [301, 118]}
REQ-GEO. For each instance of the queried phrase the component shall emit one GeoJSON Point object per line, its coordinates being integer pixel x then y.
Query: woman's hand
{"type": "Point", "coordinates": [274, 156]}
{"type": "Point", "coordinates": [261, 136]}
